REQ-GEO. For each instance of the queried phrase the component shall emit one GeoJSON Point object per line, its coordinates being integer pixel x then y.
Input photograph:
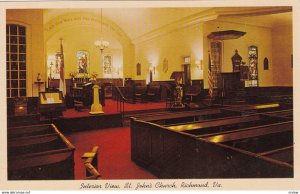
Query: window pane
{"type": "Point", "coordinates": [13, 29]}
{"type": "Point", "coordinates": [7, 66]}
{"type": "Point", "coordinates": [13, 48]}
{"type": "Point", "coordinates": [14, 75]}
{"type": "Point", "coordinates": [14, 66]}
{"type": "Point", "coordinates": [14, 84]}
{"type": "Point", "coordinates": [22, 74]}
{"type": "Point", "coordinates": [7, 57]}
{"type": "Point", "coordinates": [7, 75]}
{"type": "Point", "coordinates": [22, 57]}
{"type": "Point", "coordinates": [8, 84]}
{"type": "Point", "coordinates": [22, 66]}
{"type": "Point", "coordinates": [22, 48]}
{"type": "Point", "coordinates": [13, 40]}
{"type": "Point", "coordinates": [23, 92]}
{"type": "Point", "coordinates": [22, 84]}
{"type": "Point", "coordinates": [7, 39]}
{"type": "Point", "coordinates": [14, 57]}
{"type": "Point", "coordinates": [14, 92]}
{"type": "Point", "coordinates": [21, 30]}
{"type": "Point", "coordinates": [22, 40]}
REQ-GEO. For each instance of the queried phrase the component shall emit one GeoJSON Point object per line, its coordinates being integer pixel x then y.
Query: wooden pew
{"type": "Point", "coordinates": [226, 124]}
{"type": "Point", "coordinates": [259, 108]}
{"type": "Point", "coordinates": [167, 118]}
{"type": "Point", "coordinates": [33, 144]}
{"type": "Point", "coordinates": [153, 92]}
{"type": "Point", "coordinates": [22, 120]}
{"type": "Point", "coordinates": [40, 157]}
{"type": "Point", "coordinates": [273, 143]}
{"type": "Point", "coordinates": [176, 154]}
{"type": "Point", "coordinates": [31, 130]}
{"type": "Point", "coordinates": [281, 114]}
{"type": "Point", "coordinates": [140, 93]}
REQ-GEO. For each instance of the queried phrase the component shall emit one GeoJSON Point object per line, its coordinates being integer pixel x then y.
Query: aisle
{"type": "Point", "coordinates": [114, 160]}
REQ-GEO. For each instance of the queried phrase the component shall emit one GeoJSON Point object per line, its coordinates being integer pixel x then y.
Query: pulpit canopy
{"type": "Point", "coordinates": [226, 35]}
{"type": "Point", "coordinates": [177, 75]}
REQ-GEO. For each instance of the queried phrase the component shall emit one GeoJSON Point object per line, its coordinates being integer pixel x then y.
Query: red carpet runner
{"type": "Point", "coordinates": [114, 160]}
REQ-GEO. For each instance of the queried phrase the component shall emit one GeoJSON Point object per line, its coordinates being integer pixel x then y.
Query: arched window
{"type": "Point", "coordinates": [266, 63]}
{"type": "Point", "coordinates": [16, 60]}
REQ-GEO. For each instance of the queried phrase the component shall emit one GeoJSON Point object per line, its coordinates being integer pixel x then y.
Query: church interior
{"type": "Point", "coordinates": [149, 93]}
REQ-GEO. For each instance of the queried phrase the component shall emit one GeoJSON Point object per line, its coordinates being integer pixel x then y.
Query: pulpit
{"type": "Point", "coordinates": [232, 88]}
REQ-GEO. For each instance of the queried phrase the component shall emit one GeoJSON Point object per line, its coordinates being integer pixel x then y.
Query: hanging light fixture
{"type": "Point", "coordinates": [101, 44]}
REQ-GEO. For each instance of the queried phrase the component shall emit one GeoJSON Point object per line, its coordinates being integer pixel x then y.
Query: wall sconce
{"type": "Point", "coordinates": [117, 69]}
{"type": "Point", "coordinates": [199, 64]}
{"type": "Point", "coordinates": [152, 68]}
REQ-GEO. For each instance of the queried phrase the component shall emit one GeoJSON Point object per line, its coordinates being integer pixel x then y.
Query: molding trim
{"type": "Point", "coordinates": [206, 15]}
{"type": "Point", "coordinates": [209, 15]}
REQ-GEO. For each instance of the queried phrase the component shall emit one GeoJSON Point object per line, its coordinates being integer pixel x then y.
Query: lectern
{"type": "Point", "coordinates": [51, 104]}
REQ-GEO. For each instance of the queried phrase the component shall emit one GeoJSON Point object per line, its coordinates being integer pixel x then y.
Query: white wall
{"type": "Point", "coordinates": [258, 36]}
{"type": "Point", "coordinates": [173, 47]}
{"type": "Point", "coordinates": [273, 43]}
{"type": "Point", "coordinates": [282, 49]}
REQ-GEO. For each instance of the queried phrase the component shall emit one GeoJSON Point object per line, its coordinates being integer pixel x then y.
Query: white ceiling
{"type": "Point", "coordinates": [133, 21]}
{"type": "Point", "coordinates": [136, 22]}
{"type": "Point", "coordinates": [271, 20]}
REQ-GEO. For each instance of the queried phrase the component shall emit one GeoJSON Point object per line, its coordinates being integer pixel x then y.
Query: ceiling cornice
{"type": "Point", "coordinates": [208, 15]}
{"type": "Point", "coordinates": [252, 11]}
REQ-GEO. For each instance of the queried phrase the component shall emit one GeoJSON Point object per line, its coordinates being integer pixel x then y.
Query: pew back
{"type": "Point", "coordinates": [39, 152]}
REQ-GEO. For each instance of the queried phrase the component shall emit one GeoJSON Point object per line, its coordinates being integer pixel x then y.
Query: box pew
{"type": "Point", "coordinates": [216, 126]}
{"type": "Point", "coordinates": [168, 118]}
{"type": "Point", "coordinates": [41, 157]}
{"type": "Point", "coordinates": [259, 108]}
{"type": "Point", "coordinates": [31, 130]}
{"type": "Point", "coordinates": [282, 114]}
{"type": "Point", "coordinates": [169, 153]}
{"type": "Point", "coordinates": [33, 144]}
{"type": "Point", "coordinates": [272, 143]}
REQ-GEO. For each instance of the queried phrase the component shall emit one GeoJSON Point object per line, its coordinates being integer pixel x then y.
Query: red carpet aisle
{"type": "Point", "coordinates": [114, 160]}
{"type": "Point", "coordinates": [111, 108]}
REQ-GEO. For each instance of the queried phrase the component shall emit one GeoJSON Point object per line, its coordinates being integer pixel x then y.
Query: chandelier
{"type": "Point", "coordinates": [101, 44]}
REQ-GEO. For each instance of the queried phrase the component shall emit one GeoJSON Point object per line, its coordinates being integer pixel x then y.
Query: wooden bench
{"type": "Point", "coordinates": [40, 157]}
{"type": "Point", "coordinates": [270, 142]}
{"type": "Point", "coordinates": [153, 92]}
{"type": "Point", "coordinates": [226, 124]}
{"type": "Point", "coordinates": [140, 93]}
{"type": "Point", "coordinates": [259, 108]}
{"type": "Point", "coordinates": [167, 118]}
{"type": "Point", "coordinates": [30, 130]}
{"type": "Point", "coordinates": [281, 114]}
{"type": "Point", "coordinates": [22, 120]}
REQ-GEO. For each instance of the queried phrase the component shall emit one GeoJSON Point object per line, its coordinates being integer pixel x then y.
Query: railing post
{"type": "Point", "coordinates": [91, 163]}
